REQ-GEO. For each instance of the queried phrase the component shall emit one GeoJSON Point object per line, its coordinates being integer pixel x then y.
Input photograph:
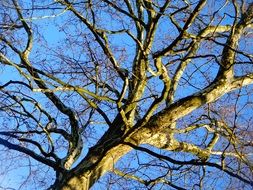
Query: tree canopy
{"type": "Point", "coordinates": [128, 94]}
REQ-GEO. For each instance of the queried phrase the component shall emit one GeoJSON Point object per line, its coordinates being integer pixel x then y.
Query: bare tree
{"type": "Point", "coordinates": [144, 94]}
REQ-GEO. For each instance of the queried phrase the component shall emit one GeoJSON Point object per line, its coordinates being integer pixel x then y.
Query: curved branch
{"type": "Point", "coordinates": [32, 154]}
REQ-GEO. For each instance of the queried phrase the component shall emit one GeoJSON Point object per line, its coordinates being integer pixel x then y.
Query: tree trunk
{"type": "Point", "coordinates": [98, 162]}
{"type": "Point", "coordinates": [111, 148]}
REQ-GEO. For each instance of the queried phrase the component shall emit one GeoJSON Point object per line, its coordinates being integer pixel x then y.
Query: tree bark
{"type": "Point", "coordinates": [98, 162]}
{"type": "Point", "coordinates": [103, 156]}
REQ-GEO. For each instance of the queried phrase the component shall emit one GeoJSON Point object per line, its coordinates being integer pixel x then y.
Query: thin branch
{"type": "Point", "coordinates": [35, 156]}
{"type": "Point", "coordinates": [191, 162]}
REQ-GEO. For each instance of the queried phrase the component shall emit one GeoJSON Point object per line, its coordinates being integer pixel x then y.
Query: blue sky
{"type": "Point", "coordinates": [52, 31]}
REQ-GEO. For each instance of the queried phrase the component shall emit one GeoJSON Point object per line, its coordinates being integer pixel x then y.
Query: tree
{"type": "Point", "coordinates": [143, 94]}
